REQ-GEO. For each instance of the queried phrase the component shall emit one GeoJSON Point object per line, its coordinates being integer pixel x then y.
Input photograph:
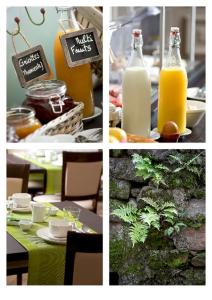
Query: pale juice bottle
{"type": "Point", "coordinates": [173, 86]}
{"type": "Point", "coordinates": [136, 89]}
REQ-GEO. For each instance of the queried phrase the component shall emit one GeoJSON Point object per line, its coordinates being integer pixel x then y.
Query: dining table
{"type": "Point", "coordinates": [17, 254]}
{"type": "Point", "coordinates": [42, 168]}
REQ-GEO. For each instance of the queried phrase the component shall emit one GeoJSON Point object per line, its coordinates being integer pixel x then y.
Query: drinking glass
{"type": "Point", "coordinates": [10, 206]}
{"type": "Point", "coordinates": [72, 213]}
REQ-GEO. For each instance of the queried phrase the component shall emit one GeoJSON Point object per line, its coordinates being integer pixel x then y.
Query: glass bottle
{"type": "Point", "coordinates": [173, 86]}
{"type": "Point", "coordinates": [136, 87]}
{"type": "Point", "coordinates": [78, 79]}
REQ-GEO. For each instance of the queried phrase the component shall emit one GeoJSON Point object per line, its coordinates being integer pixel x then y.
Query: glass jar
{"type": "Point", "coordinates": [48, 99]}
{"type": "Point", "coordinates": [23, 120]}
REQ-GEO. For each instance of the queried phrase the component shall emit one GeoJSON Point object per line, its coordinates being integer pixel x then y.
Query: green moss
{"type": "Point", "coordinates": [115, 203]}
{"type": "Point", "coordinates": [193, 276]}
{"type": "Point", "coordinates": [117, 254]}
{"type": "Point", "coordinates": [183, 179]}
{"type": "Point", "coordinates": [157, 241]}
{"type": "Point", "coordinates": [195, 223]}
{"type": "Point", "coordinates": [170, 259]}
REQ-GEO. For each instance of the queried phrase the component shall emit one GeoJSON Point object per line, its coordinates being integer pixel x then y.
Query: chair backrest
{"type": "Point", "coordinates": [17, 178]}
{"type": "Point", "coordinates": [14, 185]}
{"type": "Point", "coordinates": [83, 264]}
{"type": "Point", "coordinates": [81, 175]}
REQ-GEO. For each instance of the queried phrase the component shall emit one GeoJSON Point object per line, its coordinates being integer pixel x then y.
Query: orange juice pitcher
{"type": "Point", "coordinates": [173, 86]}
{"type": "Point", "coordinates": [78, 79]}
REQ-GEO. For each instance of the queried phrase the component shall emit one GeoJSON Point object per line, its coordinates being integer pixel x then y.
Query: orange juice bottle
{"type": "Point", "coordinates": [173, 86]}
{"type": "Point", "coordinates": [78, 79]}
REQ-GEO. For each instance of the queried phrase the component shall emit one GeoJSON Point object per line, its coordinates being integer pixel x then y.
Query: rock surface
{"type": "Point", "coordinates": [119, 189]}
{"type": "Point", "coordinates": [191, 239]}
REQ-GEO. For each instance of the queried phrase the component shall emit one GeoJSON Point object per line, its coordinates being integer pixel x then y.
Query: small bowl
{"type": "Point", "coordinates": [60, 228]}
{"type": "Point", "coordinates": [53, 211]}
{"type": "Point", "coordinates": [25, 225]}
{"type": "Point", "coordinates": [195, 111]}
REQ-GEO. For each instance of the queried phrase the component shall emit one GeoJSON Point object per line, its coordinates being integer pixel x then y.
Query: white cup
{"type": "Point", "coordinates": [59, 228]}
{"type": "Point", "coordinates": [39, 213]}
{"type": "Point", "coordinates": [21, 200]}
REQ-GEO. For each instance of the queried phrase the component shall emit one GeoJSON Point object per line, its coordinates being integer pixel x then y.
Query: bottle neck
{"type": "Point", "coordinates": [174, 57]}
{"type": "Point", "coordinates": [68, 20]}
{"type": "Point", "coordinates": [136, 58]}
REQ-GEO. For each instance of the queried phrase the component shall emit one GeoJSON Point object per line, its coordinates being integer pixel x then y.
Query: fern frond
{"type": "Point", "coordinates": [171, 210]}
{"type": "Point", "coordinates": [150, 202]}
{"type": "Point", "coordinates": [138, 233]}
{"type": "Point", "coordinates": [167, 205]}
{"type": "Point", "coordinates": [149, 218]}
{"type": "Point", "coordinates": [128, 213]}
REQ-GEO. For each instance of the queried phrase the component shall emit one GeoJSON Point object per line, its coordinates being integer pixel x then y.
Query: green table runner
{"type": "Point", "coordinates": [46, 261]}
{"type": "Point", "coordinates": [54, 173]}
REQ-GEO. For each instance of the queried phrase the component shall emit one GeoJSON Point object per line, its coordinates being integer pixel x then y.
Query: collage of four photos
{"type": "Point", "coordinates": [56, 195]}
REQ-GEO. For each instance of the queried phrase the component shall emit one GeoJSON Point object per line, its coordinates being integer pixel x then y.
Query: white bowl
{"type": "Point", "coordinates": [25, 225]}
{"type": "Point", "coordinates": [53, 211]}
{"type": "Point", "coordinates": [195, 111]}
{"type": "Point", "coordinates": [59, 228]}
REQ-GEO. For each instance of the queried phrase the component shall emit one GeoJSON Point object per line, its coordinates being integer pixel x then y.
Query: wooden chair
{"type": "Point", "coordinates": [17, 178]}
{"type": "Point", "coordinates": [81, 178]}
{"type": "Point", "coordinates": [17, 182]}
{"type": "Point", "coordinates": [83, 265]}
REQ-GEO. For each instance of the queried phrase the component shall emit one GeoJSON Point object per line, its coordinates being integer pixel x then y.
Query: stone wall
{"type": "Point", "coordinates": [160, 260]}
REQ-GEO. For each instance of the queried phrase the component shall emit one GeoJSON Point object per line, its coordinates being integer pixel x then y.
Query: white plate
{"type": "Point", "coordinates": [97, 112]}
{"type": "Point", "coordinates": [58, 138]}
{"type": "Point", "coordinates": [44, 234]}
{"type": "Point", "coordinates": [187, 132]}
{"type": "Point", "coordinates": [27, 209]}
{"type": "Point", "coordinates": [193, 94]}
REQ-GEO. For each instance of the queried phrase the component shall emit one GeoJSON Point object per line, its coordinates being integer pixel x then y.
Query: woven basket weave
{"type": "Point", "coordinates": [68, 123]}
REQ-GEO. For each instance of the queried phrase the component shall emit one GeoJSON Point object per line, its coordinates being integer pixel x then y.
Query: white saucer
{"type": "Point", "coordinates": [97, 112]}
{"type": "Point", "coordinates": [187, 131]}
{"type": "Point", "coordinates": [44, 234]}
{"type": "Point", "coordinates": [27, 209]}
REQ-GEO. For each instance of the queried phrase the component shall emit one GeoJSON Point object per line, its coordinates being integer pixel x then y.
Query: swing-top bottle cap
{"type": "Point", "coordinates": [175, 30]}
{"type": "Point", "coordinates": [137, 32]}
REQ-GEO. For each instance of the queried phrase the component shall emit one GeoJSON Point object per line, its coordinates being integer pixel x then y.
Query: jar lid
{"type": "Point", "coordinates": [46, 88]}
{"type": "Point", "coordinates": [17, 114]}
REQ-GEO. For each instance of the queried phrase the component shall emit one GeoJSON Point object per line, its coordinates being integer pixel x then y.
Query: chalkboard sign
{"type": "Point", "coordinates": [31, 65]}
{"type": "Point", "coordinates": [81, 47]}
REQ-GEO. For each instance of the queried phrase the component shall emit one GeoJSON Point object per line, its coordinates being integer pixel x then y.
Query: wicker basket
{"type": "Point", "coordinates": [68, 123]}
{"type": "Point", "coordinates": [88, 17]}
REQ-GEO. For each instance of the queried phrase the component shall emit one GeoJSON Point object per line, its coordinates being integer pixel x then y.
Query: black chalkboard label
{"type": "Point", "coordinates": [31, 65]}
{"type": "Point", "coordinates": [81, 47]}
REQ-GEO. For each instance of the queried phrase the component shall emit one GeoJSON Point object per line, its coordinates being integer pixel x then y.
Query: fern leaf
{"type": "Point", "coordinates": [151, 202]}
{"type": "Point", "coordinates": [156, 225]}
{"type": "Point", "coordinates": [168, 215]}
{"type": "Point", "coordinates": [167, 205]}
{"type": "Point", "coordinates": [162, 167]}
{"type": "Point", "coordinates": [169, 231]}
{"type": "Point", "coordinates": [149, 218]}
{"type": "Point", "coordinates": [171, 210]}
{"type": "Point", "coordinates": [128, 213]}
{"type": "Point", "coordinates": [138, 233]}
{"type": "Point", "coordinates": [170, 221]}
